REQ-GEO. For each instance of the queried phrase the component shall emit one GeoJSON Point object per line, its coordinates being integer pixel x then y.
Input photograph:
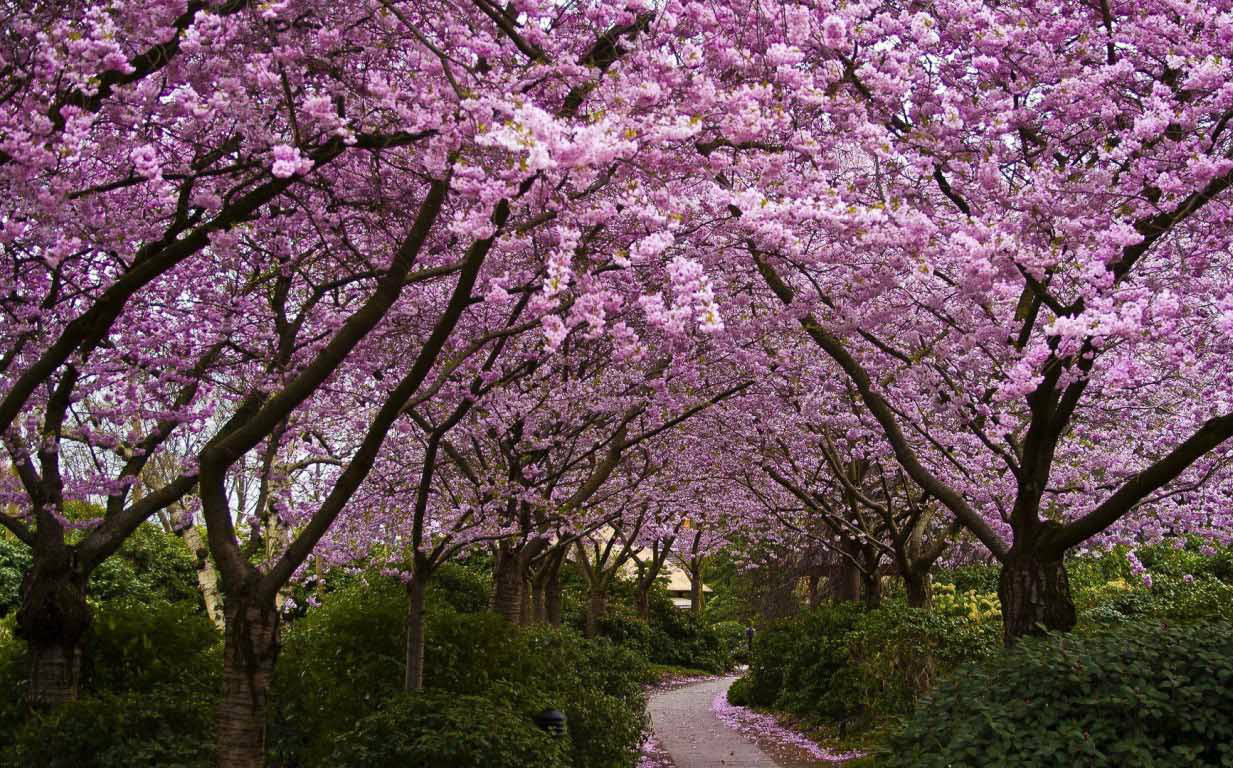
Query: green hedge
{"type": "Point", "coordinates": [346, 658]}
{"type": "Point", "coordinates": [169, 725]}
{"type": "Point", "coordinates": [1141, 694]}
{"type": "Point", "coordinates": [150, 684]}
{"type": "Point", "coordinates": [844, 664]}
{"type": "Point", "coordinates": [440, 728]}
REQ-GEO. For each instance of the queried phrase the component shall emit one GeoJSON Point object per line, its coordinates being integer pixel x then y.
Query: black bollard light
{"type": "Point", "coordinates": [551, 721]}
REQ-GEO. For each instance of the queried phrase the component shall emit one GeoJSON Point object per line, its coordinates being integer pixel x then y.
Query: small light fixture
{"type": "Point", "coordinates": [552, 722]}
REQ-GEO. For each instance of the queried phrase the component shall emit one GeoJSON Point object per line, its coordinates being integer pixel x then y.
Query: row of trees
{"type": "Point", "coordinates": [403, 280]}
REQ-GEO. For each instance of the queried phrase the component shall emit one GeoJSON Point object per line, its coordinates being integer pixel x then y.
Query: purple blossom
{"type": "Point", "coordinates": [757, 725]}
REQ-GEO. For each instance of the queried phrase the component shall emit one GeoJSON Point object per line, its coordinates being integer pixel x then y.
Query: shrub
{"type": "Point", "coordinates": [805, 651]}
{"type": "Point", "coordinates": [626, 630]}
{"type": "Point", "coordinates": [974, 577]}
{"type": "Point", "coordinates": [14, 561]}
{"type": "Point", "coordinates": [135, 646]}
{"type": "Point", "coordinates": [971, 604]}
{"type": "Point", "coordinates": [461, 587]}
{"type": "Point", "coordinates": [739, 692]}
{"type": "Point", "coordinates": [896, 653]}
{"type": "Point", "coordinates": [14, 679]}
{"type": "Point", "coordinates": [681, 638]}
{"type": "Point", "coordinates": [732, 635]}
{"type": "Point", "coordinates": [346, 658]}
{"type": "Point", "coordinates": [841, 663]}
{"type": "Point", "coordinates": [169, 725]}
{"type": "Point", "coordinates": [151, 566]}
{"type": "Point", "coordinates": [439, 728]}
{"type": "Point", "coordinates": [1141, 694]}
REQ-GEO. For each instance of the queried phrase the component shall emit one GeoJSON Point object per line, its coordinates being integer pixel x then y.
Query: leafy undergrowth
{"type": "Point", "coordinates": [668, 675]}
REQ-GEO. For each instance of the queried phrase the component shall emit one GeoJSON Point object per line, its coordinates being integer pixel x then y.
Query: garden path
{"type": "Point", "coordinates": [694, 736]}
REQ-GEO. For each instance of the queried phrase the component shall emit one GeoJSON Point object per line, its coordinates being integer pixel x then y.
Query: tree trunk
{"type": "Point", "coordinates": [696, 598]}
{"type": "Point", "coordinates": [845, 582]}
{"type": "Point", "coordinates": [52, 619]}
{"type": "Point", "coordinates": [596, 609]}
{"type": "Point", "coordinates": [871, 590]}
{"type": "Point", "coordinates": [918, 589]}
{"type": "Point", "coordinates": [1035, 597]}
{"type": "Point", "coordinates": [814, 594]}
{"type": "Point", "coordinates": [538, 612]}
{"type": "Point", "coordinates": [207, 576]}
{"type": "Point", "coordinates": [524, 604]}
{"type": "Point", "coordinates": [416, 591]}
{"type": "Point", "coordinates": [552, 596]}
{"type": "Point", "coordinates": [507, 586]}
{"type": "Point", "coordinates": [250, 649]}
{"type": "Point", "coordinates": [642, 601]}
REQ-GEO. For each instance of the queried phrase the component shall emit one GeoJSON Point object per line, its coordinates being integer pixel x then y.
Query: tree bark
{"type": "Point", "coordinates": [845, 582]}
{"type": "Point", "coordinates": [416, 591]}
{"type": "Point", "coordinates": [250, 649]}
{"type": "Point", "coordinates": [696, 598]}
{"type": "Point", "coordinates": [52, 619]}
{"type": "Point", "coordinates": [207, 576]}
{"type": "Point", "coordinates": [538, 613]}
{"type": "Point", "coordinates": [642, 601]}
{"type": "Point", "coordinates": [507, 586]}
{"type": "Point", "coordinates": [1035, 595]}
{"type": "Point", "coordinates": [918, 589]}
{"type": "Point", "coordinates": [871, 589]}
{"type": "Point", "coordinates": [524, 604]}
{"type": "Point", "coordinates": [814, 595]}
{"type": "Point", "coordinates": [552, 595]}
{"type": "Point", "coordinates": [596, 609]}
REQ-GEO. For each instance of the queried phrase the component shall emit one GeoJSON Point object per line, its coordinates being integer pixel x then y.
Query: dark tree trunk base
{"type": "Point", "coordinates": [871, 591]}
{"type": "Point", "coordinates": [55, 674]}
{"type": "Point", "coordinates": [918, 590]}
{"type": "Point", "coordinates": [250, 649]}
{"type": "Point", "coordinates": [552, 597]}
{"type": "Point", "coordinates": [416, 591]}
{"type": "Point", "coordinates": [52, 619]}
{"type": "Point", "coordinates": [596, 609]}
{"type": "Point", "coordinates": [1035, 597]}
{"type": "Point", "coordinates": [507, 587]}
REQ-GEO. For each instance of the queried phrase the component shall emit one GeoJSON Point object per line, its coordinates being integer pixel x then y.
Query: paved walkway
{"type": "Point", "coordinates": [691, 733]}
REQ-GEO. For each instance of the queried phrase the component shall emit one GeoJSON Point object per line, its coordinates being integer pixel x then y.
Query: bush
{"type": "Point", "coordinates": [626, 630]}
{"type": "Point", "coordinates": [439, 728]}
{"type": "Point", "coordinates": [346, 658]}
{"type": "Point", "coordinates": [14, 679]}
{"type": "Point", "coordinates": [740, 691]}
{"type": "Point", "coordinates": [806, 651]}
{"type": "Point", "coordinates": [131, 651]}
{"type": "Point", "coordinates": [682, 639]}
{"type": "Point", "coordinates": [169, 725]}
{"type": "Point", "coordinates": [1142, 694]}
{"type": "Point", "coordinates": [461, 587]}
{"type": "Point", "coordinates": [134, 646]}
{"type": "Point", "coordinates": [896, 653]}
{"type": "Point", "coordinates": [840, 663]}
{"type": "Point", "coordinates": [732, 636]}
{"type": "Point", "coordinates": [151, 566]}
{"type": "Point", "coordinates": [14, 561]}
{"type": "Point", "coordinates": [975, 577]}
{"type": "Point", "coordinates": [972, 605]}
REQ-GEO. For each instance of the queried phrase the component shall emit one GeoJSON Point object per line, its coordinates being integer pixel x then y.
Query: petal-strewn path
{"type": "Point", "coordinates": [689, 731]}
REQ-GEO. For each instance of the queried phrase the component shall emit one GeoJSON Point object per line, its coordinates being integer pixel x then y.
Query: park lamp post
{"type": "Point", "coordinates": [552, 722]}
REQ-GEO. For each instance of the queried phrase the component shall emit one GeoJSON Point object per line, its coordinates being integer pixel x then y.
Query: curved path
{"type": "Point", "coordinates": [690, 732]}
